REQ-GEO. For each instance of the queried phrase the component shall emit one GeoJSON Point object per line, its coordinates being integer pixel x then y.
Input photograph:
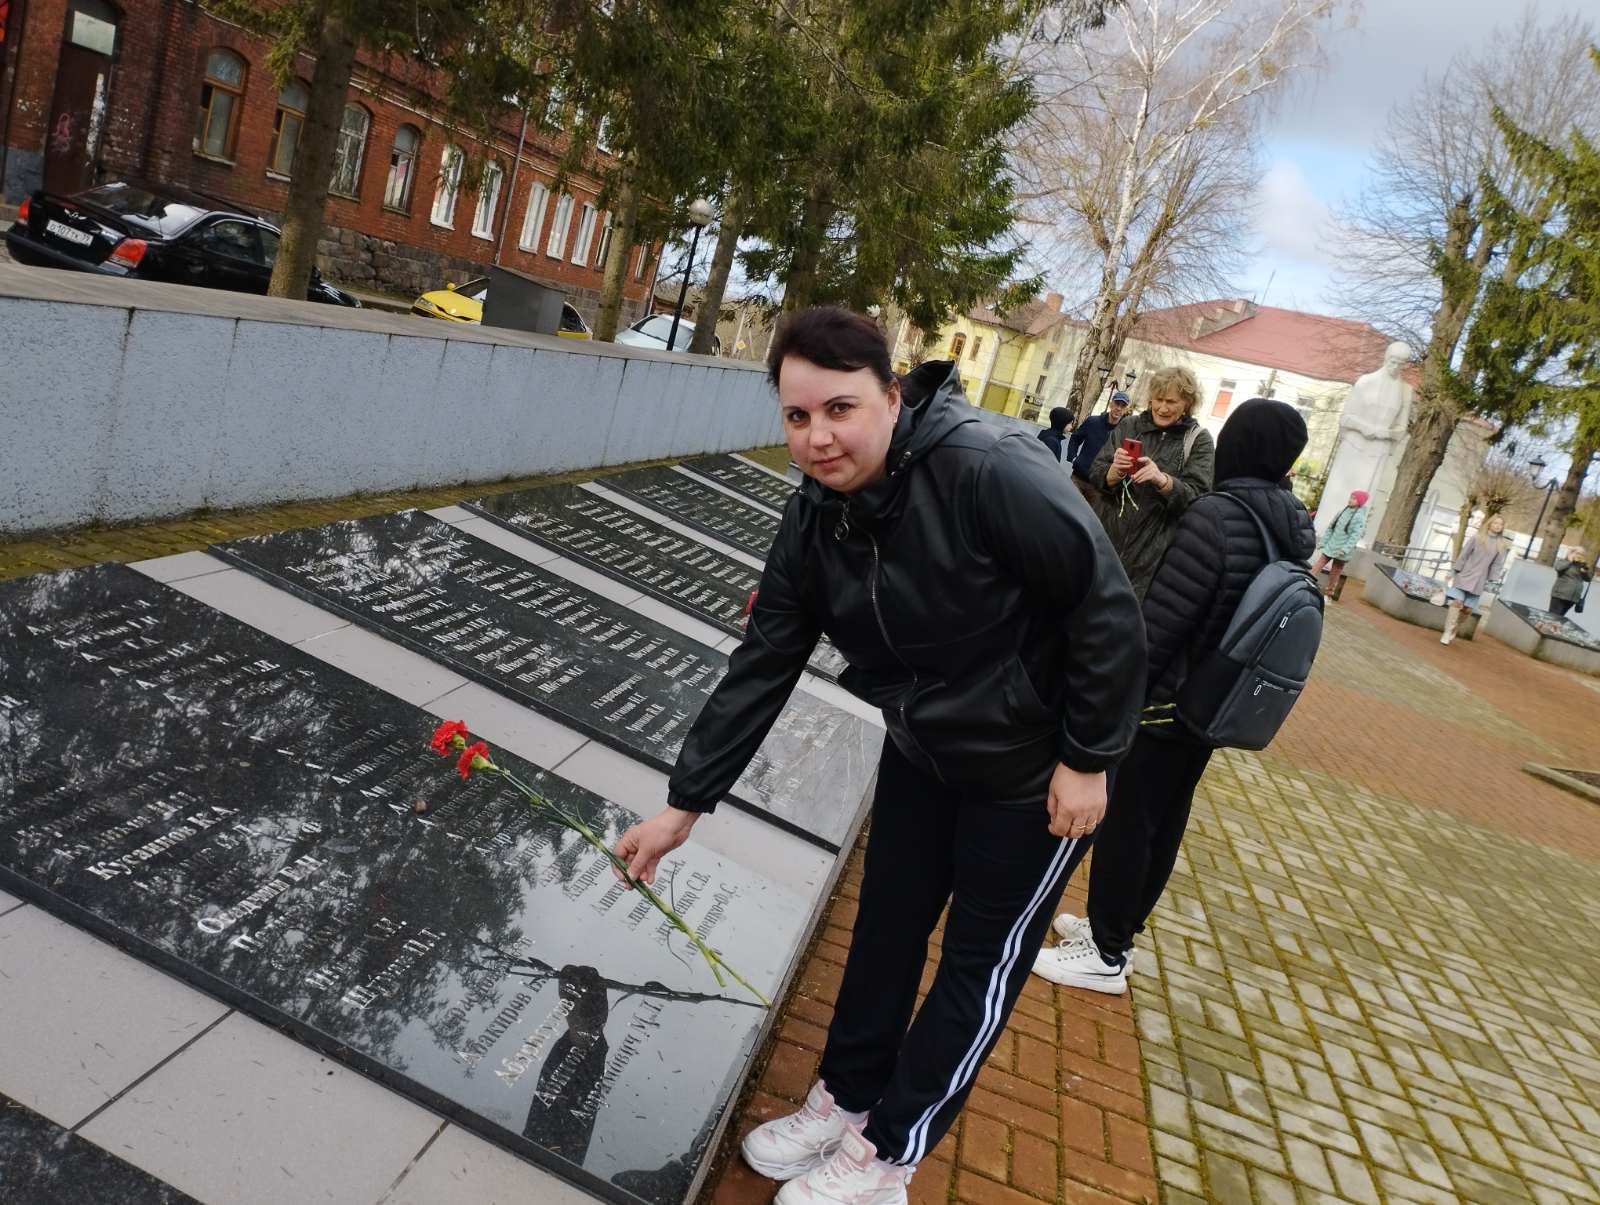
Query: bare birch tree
{"type": "Point", "coordinates": [1415, 249]}
{"type": "Point", "coordinates": [1140, 157]}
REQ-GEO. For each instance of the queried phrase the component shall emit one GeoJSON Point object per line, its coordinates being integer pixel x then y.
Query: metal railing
{"type": "Point", "coordinates": [1433, 562]}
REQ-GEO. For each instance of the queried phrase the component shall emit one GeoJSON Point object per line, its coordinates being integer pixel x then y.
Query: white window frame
{"type": "Point", "coordinates": [488, 201]}
{"type": "Point", "coordinates": [344, 140]}
{"type": "Point", "coordinates": [602, 136]}
{"type": "Point", "coordinates": [407, 165]}
{"type": "Point", "coordinates": [533, 216]}
{"type": "Point", "coordinates": [607, 229]}
{"type": "Point", "coordinates": [587, 219]}
{"type": "Point", "coordinates": [644, 261]}
{"type": "Point", "coordinates": [560, 227]}
{"type": "Point", "coordinates": [443, 213]}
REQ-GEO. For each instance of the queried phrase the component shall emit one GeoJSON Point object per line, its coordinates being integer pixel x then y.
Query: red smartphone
{"type": "Point", "coordinates": [1134, 448]}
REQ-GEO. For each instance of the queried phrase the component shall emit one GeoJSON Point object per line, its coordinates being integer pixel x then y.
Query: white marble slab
{"type": "Point", "coordinates": [500, 537]}
{"type": "Point", "coordinates": [507, 724]}
{"type": "Point", "coordinates": [248, 1116]}
{"type": "Point", "coordinates": [384, 663]}
{"type": "Point", "coordinates": [82, 1020]}
{"type": "Point", "coordinates": [275, 612]}
{"type": "Point", "coordinates": [461, 1167]}
{"type": "Point", "coordinates": [179, 566]}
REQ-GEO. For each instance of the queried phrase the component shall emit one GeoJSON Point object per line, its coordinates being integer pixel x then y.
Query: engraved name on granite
{"type": "Point", "coordinates": [745, 478]}
{"type": "Point", "coordinates": [697, 504]}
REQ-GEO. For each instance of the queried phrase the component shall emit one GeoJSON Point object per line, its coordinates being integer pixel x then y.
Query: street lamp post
{"type": "Point", "coordinates": [700, 214]}
{"type": "Point", "coordinates": [1537, 464]}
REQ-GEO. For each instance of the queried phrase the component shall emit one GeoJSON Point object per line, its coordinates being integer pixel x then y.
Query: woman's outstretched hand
{"type": "Point", "coordinates": [1077, 802]}
{"type": "Point", "coordinates": [644, 845]}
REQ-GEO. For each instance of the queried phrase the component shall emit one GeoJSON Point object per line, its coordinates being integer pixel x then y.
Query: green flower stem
{"type": "Point", "coordinates": [713, 959]}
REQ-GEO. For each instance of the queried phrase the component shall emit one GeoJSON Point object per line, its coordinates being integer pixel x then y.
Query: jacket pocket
{"type": "Point", "coordinates": [1021, 695]}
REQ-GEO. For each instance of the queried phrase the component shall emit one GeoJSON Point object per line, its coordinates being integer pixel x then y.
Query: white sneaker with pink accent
{"type": "Point", "coordinates": [852, 1175]}
{"type": "Point", "coordinates": [792, 1146]}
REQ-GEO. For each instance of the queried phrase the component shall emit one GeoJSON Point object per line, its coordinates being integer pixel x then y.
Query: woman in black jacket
{"type": "Point", "coordinates": [947, 560]}
{"type": "Point", "coordinates": [1215, 553]}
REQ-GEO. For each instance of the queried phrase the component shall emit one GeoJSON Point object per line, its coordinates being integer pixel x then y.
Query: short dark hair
{"type": "Point", "coordinates": [830, 336]}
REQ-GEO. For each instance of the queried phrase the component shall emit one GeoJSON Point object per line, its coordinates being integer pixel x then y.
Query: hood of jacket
{"type": "Point", "coordinates": [1143, 425]}
{"type": "Point", "coordinates": [1284, 515]}
{"type": "Point", "coordinates": [932, 408]}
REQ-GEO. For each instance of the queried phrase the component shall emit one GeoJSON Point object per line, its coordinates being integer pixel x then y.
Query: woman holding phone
{"type": "Point", "coordinates": [1159, 462]}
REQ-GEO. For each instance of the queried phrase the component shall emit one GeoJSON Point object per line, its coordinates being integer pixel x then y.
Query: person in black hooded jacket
{"type": "Point", "coordinates": [1215, 553]}
{"type": "Point", "coordinates": [947, 560]}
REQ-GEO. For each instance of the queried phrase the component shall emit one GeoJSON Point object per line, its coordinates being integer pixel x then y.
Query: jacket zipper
{"type": "Point", "coordinates": [883, 630]}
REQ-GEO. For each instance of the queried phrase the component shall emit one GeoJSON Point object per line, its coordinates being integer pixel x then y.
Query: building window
{"type": "Point", "coordinates": [488, 202]}
{"type": "Point", "coordinates": [560, 227]}
{"type": "Point", "coordinates": [644, 262]}
{"type": "Point", "coordinates": [287, 123]}
{"type": "Point", "coordinates": [402, 167]}
{"type": "Point", "coordinates": [976, 344]}
{"type": "Point", "coordinates": [607, 229]}
{"type": "Point", "coordinates": [351, 149]}
{"type": "Point", "coordinates": [956, 344]}
{"type": "Point", "coordinates": [602, 137]}
{"type": "Point", "coordinates": [216, 128]}
{"type": "Point", "coordinates": [1219, 408]}
{"type": "Point", "coordinates": [585, 239]}
{"type": "Point", "coordinates": [533, 219]}
{"type": "Point", "coordinates": [1039, 388]}
{"type": "Point", "coordinates": [1049, 359]}
{"type": "Point", "coordinates": [444, 200]}
{"type": "Point", "coordinates": [554, 106]}
{"type": "Point", "coordinates": [1306, 404]}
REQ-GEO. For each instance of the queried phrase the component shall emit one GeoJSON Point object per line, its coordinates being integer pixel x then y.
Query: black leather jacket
{"type": "Point", "coordinates": [950, 586]}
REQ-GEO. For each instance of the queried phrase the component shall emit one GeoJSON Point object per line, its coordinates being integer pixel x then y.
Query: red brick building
{"type": "Point", "coordinates": [163, 90]}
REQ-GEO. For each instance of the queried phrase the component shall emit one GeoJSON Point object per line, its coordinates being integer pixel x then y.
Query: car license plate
{"type": "Point", "coordinates": [82, 237]}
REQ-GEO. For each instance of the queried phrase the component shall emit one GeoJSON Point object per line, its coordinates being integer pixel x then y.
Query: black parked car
{"type": "Point", "coordinates": [154, 232]}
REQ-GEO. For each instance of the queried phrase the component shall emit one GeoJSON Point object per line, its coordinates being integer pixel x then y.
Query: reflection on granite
{"type": "Point", "coordinates": [627, 547]}
{"type": "Point", "coordinates": [250, 821]}
{"type": "Point", "coordinates": [1552, 626]}
{"type": "Point", "coordinates": [584, 660]}
{"type": "Point", "coordinates": [43, 1164]}
{"type": "Point", "coordinates": [1416, 585]}
{"type": "Point", "coordinates": [696, 504]}
{"type": "Point", "coordinates": [745, 478]}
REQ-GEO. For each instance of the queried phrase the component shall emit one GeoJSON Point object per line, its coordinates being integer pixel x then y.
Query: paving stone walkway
{"type": "Point", "coordinates": [1374, 977]}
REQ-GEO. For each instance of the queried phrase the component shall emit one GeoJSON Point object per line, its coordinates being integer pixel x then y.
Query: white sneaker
{"type": "Point", "coordinates": [794, 1145]}
{"type": "Point", "coordinates": [1072, 928]}
{"type": "Point", "coordinates": [852, 1175]}
{"type": "Point", "coordinates": [1080, 964]}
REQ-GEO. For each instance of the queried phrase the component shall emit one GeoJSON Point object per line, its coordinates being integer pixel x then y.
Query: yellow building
{"type": "Point", "coordinates": [1006, 360]}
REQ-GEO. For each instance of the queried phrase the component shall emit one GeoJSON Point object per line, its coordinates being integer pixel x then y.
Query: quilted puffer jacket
{"type": "Point", "coordinates": [1214, 554]}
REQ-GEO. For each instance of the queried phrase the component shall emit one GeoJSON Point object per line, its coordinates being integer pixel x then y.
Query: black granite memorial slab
{"type": "Point", "coordinates": [1552, 626]}
{"type": "Point", "coordinates": [696, 504]}
{"type": "Point", "coordinates": [754, 482]}
{"type": "Point", "coordinates": [627, 547]}
{"type": "Point", "coordinates": [43, 1164]}
{"type": "Point", "coordinates": [1415, 585]}
{"type": "Point", "coordinates": [584, 660]}
{"type": "Point", "coordinates": [278, 833]}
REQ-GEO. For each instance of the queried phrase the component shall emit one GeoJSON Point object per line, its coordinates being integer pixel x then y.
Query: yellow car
{"type": "Point", "coordinates": [464, 303]}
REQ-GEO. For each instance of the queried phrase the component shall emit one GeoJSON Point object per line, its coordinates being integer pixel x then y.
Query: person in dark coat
{"type": "Point", "coordinates": [1573, 576]}
{"type": "Point", "coordinates": [981, 606]}
{"type": "Point", "coordinates": [1060, 424]}
{"type": "Point", "coordinates": [1140, 504]}
{"type": "Point", "coordinates": [1091, 436]}
{"type": "Point", "coordinates": [1216, 552]}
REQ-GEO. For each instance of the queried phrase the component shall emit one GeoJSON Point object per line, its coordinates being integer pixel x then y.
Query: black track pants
{"type": "Point", "coordinates": [1002, 873]}
{"type": "Point", "coordinates": [1136, 846]}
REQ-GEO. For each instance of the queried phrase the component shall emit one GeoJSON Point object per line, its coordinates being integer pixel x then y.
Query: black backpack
{"type": "Point", "coordinates": [1239, 693]}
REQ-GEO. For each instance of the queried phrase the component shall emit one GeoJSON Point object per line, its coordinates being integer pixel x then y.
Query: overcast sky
{"type": "Point", "coordinates": [1317, 144]}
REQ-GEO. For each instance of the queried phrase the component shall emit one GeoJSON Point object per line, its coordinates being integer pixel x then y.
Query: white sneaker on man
{"type": "Point", "coordinates": [1079, 963]}
{"type": "Point", "coordinates": [1071, 928]}
{"type": "Point", "coordinates": [852, 1175]}
{"type": "Point", "coordinates": [794, 1145]}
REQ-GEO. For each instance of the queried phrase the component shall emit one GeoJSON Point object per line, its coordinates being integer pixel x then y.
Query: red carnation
{"type": "Point", "coordinates": [468, 761]}
{"type": "Point", "coordinates": [444, 736]}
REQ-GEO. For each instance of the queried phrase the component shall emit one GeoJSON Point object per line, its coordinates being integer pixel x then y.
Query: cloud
{"type": "Point", "coordinates": [1291, 220]}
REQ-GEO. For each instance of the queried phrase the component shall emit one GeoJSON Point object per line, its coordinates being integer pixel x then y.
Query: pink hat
{"type": "Point", "coordinates": [1360, 497]}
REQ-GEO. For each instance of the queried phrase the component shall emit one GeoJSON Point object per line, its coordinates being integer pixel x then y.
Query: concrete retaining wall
{"type": "Point", "coordinates": [1391, 599]}
{"type": "Point", "coordinates": [122, 401]}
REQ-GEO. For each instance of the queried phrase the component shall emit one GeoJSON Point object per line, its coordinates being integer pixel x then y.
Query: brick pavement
{"type": "Point", "coordinates": [1373, 979]}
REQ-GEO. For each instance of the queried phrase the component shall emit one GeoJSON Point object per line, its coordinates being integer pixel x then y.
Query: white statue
{"type": "Point", "coordinates": [1372, 430]}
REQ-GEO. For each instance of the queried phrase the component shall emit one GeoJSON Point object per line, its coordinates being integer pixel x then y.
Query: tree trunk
{"type": "Point", "coordinates": [1463, 521]}
{"type": "Point", "coordinates": [1086, 379]}
{"type": "Point", "coordinates": [616, 265]}
{"type": "Point", "coordinates": [313, 160]}
{"type": "Point", "coordinates": [800, 286]}
{"type": "Point", "coordinates": [1564, 504]}
{"type": "Point", "coordinates": [710, 310]}
{"type": "Point", "coordinates": [1425, 450]}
